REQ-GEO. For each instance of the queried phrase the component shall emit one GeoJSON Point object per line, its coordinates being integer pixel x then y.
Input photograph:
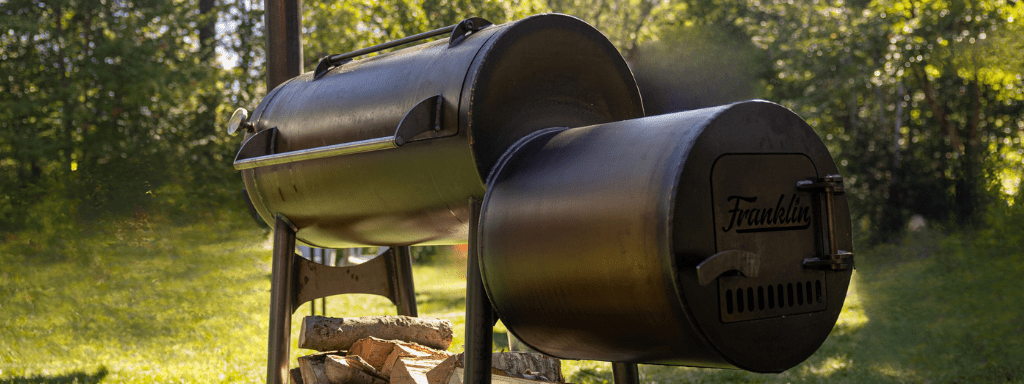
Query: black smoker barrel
{"type": "Point", "coordinates": [387, 150]}
{"type": "Point", "coordinates": [707, 238]}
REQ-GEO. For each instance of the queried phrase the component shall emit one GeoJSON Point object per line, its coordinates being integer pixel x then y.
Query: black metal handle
{"type": "Point", "coordinates": [835, 259]}
{"type": "Point", "coordinates": [259, 151]}
{"type": "Point", "coordinates": [458, 33]}
{"type": "Point", "coordinates": [747, 263]}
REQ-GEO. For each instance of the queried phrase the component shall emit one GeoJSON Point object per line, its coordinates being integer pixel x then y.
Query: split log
{"type": "Point", "coordinates": [442, 373]}
{"type": "Point", "coordinates": [296, 376]}
{"type": "Point", "coordinates": [414, 351]}
{"type": "Point", "coordinates": [528, 364]}
{"type": "Point", "coordinates": [506, 367]}
{"type": "Point", "coordinates": [377, 351]}
{"type": "Point", "coordinates": [312, 367]}
{"type": "Point", "coordinates": [351, 370]}
{"type": "Point", "coordinates": [458, 373]}
{"type": "Point", "coordinates": [411, 370]}
{"type": "Point", "coordinates": [326, 333]}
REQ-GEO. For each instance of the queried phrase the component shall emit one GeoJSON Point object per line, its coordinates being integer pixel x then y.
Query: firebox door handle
{"type": "Point", "coordinates": [835, 259]}
{"type": "Point", "coordinates": [746, 263]}
{"type": "Point", "coordinates": [424, 118]}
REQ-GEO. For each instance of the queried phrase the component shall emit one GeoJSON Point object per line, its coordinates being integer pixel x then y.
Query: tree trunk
{"type": "Point", "coordinates": [968, 185]}
{"type": "Point", "coordinates": [207, 30]}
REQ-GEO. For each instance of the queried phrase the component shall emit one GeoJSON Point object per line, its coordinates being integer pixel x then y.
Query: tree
{"type": "Point", "coordinates": [100, 103]}
{"type": "Point", "coordinates": [914, 98]}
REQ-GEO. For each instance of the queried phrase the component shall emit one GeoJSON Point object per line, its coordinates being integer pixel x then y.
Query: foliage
{"type": "Point", "coordinates": [919, 100]}
{"type": "Point", "coordinates": [338, 27]}
{"type": "Point", "coordinates": [104, 102]}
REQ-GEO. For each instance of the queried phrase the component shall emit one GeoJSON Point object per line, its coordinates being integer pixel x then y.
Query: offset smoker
{"type": "Point", "coordinates": [712, 238]}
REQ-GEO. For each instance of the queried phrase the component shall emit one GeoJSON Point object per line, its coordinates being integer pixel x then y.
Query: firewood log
{"type": "Point", "coordinates": [351, 370]}
{"type": "Point", "coordinates": [311, 367]}
{"type": "Point", "coordinates": [326, 334]}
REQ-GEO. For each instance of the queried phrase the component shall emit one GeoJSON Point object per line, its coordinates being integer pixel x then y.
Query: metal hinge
{"type": "Point", "coordinates": [836, 259]}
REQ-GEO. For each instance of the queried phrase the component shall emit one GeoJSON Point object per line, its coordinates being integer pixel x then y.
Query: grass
{"type": "Point", "coordinates": [157, 299]}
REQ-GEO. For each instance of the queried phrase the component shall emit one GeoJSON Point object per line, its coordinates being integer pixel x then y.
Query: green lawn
{"type": "Point", "coordinates": [153, 299]}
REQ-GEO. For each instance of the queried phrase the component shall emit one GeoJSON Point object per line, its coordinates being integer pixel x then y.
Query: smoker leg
{"type": "Point", "coordinates": [625, 373]}
{"type": "Point", "coordinates": [479, 315]}
{"type": "Point", "coordinates": [401, 275]}
{"type": "Point", "coordinates": [282, 293]}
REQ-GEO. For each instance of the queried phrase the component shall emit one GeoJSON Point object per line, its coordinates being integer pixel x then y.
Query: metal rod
{"type": "Point", "coordinates": [479, 314]}
{"type": "Point", "coordinates": [830, 223]}
{"type": "Point", "coordinates": [284, 40]}
{"type": "Point", "coordinates": [318, 153]}
{"type": "Point", "coordinates": [335, 59]}
{"type": "Point", "coordinates": [282, 294]}
{"type": "Point", "coordinates": [406, 292]}
{"type": "Point", "coordinates": [625, 373]}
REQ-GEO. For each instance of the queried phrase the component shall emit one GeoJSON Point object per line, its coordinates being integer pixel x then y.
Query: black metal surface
{"type": "Point", "coordinates": [400, 276]}
{"type": "Point", "coordinates": [480, 317]}
{"type": "Point", "coordinates": [282, 298]}
{"type": "Point", "coordinates": [284, 40]}
{"type": "Point", "coordinates": [591, 238]}
{"type": "Point", "coordinates": [498, 84]}
{"type": "Point", "coordinates": [625, 373]}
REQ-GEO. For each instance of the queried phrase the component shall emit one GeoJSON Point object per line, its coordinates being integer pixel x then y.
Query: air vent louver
{"type": "Point", "coordinates": [740, 300]}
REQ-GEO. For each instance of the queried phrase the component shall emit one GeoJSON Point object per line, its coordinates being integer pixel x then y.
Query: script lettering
{"type": "Point", "coordinates": [746, 217]}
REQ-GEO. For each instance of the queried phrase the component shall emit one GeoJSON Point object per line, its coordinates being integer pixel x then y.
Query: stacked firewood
{"type": "Point", "coordinates": [402, 350]}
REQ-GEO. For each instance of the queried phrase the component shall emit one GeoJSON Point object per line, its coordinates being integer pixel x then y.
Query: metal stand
{"type": "Point", "coordinates": [625, 373]}
{"type": "Point", "coordinates": [296, 280]}
{"type": "Point", "coordinates": [284, 40]}
{"type": "Point", "coordinates": [282, 301]}
{"type": "Point", "coordinates": [480, 317]}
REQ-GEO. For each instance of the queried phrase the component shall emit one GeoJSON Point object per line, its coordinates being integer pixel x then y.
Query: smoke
{"type": "Point", "coordinates": [690, 69]}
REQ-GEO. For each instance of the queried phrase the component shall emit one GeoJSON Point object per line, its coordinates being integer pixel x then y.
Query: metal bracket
{"type": "Point", "coordinates": [835, 259]}
{"type": "Point", "coordinates": [389, 275]}
{"type": "Point", "coordinates": [466, 27]}
{"type": "Point", "coordinates": [424, 118]}
{"type": "Point", "coordinates": [261, 144]}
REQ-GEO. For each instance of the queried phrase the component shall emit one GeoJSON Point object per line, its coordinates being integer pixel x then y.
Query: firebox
{"type": "Point", "coordinates": [701, 238]}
